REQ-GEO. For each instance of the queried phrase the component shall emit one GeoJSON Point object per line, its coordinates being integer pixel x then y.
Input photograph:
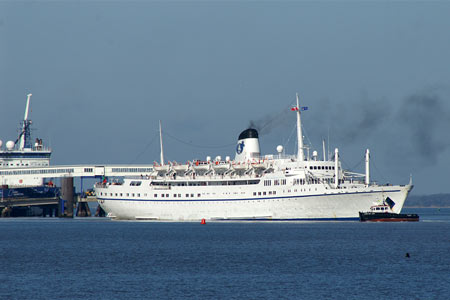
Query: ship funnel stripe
{"type": "Point", "coordinates": [248, 134]}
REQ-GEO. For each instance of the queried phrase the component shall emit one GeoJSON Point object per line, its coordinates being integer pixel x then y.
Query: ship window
{"type": "Point", "coordinates": [259, 193]}
{"type": "Point", "coordinates": [128, 194]}
{"type": "Point", "coordinates": [187, 195]}
{"type": "Point", "coordinates": [174, 195]}
{"type": "Point", "coordinates": [138, 195]}
{"type": "Point", "coordinates": [192, 195]}
{"type": "Point", "coordinates": [254, 193]}
{"type": "Point", "coordinates": [264, 193]}
{"type": "Point", "coordinates": [132, 195]}
{"type": "Point", "coordinates": [162, 195]}
{"type": "Point", "coordinates": [167, 195]}
{"type": "Point", "coordinates": [115, 195]}
{"type": "Point", "coordinates": [155, 195]}
{"type": "Point", "coordinates": [274, 192]}
{"type": "Point", "coordinates": [198, 195]}
{"type": "Point", "coordinates": [179, 195]}
{"type": "Point", "coordinates": [120, 194]}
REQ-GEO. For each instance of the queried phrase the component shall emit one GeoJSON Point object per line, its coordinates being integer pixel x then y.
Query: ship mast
{"type": "Point", "coordinates": [161, 144]}
{"type": "Point", "coordinates": [25, 135]}
{"type": "Point", "coordinates": [300, 153]}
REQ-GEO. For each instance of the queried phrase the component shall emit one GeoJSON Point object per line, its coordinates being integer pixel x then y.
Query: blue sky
{"type": "Point", "coordinates": [102, 73]}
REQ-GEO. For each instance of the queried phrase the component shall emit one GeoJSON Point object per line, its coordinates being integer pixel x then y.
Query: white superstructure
{"type": "Point", "coordinates": [22, 154]}
{"type": "Point", "coordinates": [251, 187]}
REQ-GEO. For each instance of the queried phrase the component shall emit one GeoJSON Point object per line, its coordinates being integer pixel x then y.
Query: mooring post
{"type": "Point", "coordinates": [66, 203]}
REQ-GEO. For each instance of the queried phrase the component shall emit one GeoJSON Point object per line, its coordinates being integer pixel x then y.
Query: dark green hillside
{"type": "Point", "coordinates": [436, 200]}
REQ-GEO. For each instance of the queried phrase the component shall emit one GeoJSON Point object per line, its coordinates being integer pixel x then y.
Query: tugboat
{"type": "Point", "coordinates": [380, 213]}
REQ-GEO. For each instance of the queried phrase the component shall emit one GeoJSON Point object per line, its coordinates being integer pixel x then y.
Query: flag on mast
{"type": "Point", "coordinates": [295, 108]}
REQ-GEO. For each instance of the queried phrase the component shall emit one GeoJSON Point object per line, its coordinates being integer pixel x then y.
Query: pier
{"type": "Point", "coordinates": [65, 203]}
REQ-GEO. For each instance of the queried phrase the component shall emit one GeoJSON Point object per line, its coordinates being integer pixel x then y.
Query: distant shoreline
{"type": "Point", "coordinates": [428, 201]}
{"type": "Point", "coordinates": [426, 206]}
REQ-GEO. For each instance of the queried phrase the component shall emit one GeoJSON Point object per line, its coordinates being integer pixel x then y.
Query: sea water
{"type": "Point", "coordinates": [95, 258]}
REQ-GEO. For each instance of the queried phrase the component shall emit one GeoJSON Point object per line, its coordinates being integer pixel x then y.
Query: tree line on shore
{"type": "Point", "coordinates": [436, 200]}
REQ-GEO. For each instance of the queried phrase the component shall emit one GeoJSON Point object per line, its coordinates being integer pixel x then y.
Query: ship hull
{"type": "Point", "coordinates": [337, 205]}
{"type": "Point", "coordinates": [35, 192]}
{"type": "Point", "coordinates": [387, 217]}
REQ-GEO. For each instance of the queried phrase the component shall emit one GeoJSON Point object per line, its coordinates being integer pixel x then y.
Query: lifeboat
{"type": "Point", "coordinates": [201, 166]}
{"type": "Point", "coordinates": [239, 167]}
{"type": "Point", "coordinates": [181, 168]}
{"type": "Point", "coordinates": [161, 168]}
{"type": "Point", "coordinates": [258, 165]}
{"type": "Point", "coordinates": [221, 166]}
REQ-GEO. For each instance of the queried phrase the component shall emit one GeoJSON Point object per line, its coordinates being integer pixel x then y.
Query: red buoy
{"type": "Point", "coordinates": [203, 221]}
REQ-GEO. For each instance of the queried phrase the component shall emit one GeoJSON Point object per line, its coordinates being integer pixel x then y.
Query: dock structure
{"type": "Point", "coordinates": [85, 171]}
{"type": "Point", "coordinates": [61, 205]}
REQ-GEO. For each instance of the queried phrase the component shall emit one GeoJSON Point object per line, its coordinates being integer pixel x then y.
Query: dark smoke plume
{"type": "Point", "coordinates": [426, 117]}
{"type": "Point", "coordinates": [269, 122]}
{"type": "Point", "coordinates": [414, 131]}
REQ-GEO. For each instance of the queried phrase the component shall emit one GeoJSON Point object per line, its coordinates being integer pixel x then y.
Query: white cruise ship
{"type": "Point", "coordinates": [250, 187]}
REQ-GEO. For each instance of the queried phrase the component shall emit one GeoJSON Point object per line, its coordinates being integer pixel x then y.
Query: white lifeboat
{"type": "Point", "coordinates": [221, 166]}
{"type": "Point", "coordinates": [180, 168]}
{"type": "Point", "coordinates": [259, 165]}
{"type": "Point", "coordinates": [240, 166]}
{"type": "Point", "coordinates": [161, 168]}
{"type": "Point", "coordinates": [201, 166]}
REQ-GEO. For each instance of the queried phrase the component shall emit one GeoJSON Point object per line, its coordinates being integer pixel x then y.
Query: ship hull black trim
{"type": "Point", "coordinates": [387, 217]}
